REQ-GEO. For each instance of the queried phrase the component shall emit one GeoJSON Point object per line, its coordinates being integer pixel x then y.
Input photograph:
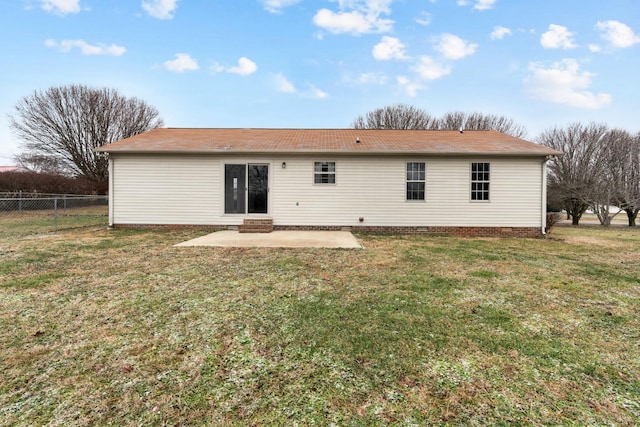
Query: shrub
{"type": "Point", "coordinates": [552, 219]}
{"type": "Point", "coordinates": [34, 182]}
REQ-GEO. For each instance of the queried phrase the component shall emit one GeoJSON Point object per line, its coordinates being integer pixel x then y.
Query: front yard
{"type": "Point", "coordinates": [119, 327]}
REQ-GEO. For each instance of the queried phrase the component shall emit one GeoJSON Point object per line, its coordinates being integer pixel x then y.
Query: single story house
{"type": "Point", "coordinates": [476, 183]}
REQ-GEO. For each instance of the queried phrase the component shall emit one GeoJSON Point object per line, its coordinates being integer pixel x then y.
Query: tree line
{"type": "Point", "coordinates": [402, 116]}
{"type": "Point", "coordinates": [50, 183]}
{"type": "Point", "coordinates": [599, 170]}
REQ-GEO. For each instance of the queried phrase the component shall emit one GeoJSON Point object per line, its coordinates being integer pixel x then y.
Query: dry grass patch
{"type": "Point", "coordinates": [120, 327]}
{"type": "Point", "coordinates": [35, 223]}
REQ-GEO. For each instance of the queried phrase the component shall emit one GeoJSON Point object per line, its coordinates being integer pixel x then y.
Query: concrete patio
{"type": "Point", "coordinates": [277, 239]}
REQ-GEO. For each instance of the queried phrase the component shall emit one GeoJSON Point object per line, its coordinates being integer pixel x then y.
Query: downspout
{"type": "Point", "coordinates": [543, 202]}
{"type": "Point", "coordinates": [111, 191]}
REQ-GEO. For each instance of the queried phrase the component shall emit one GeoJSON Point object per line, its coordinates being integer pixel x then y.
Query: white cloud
{"type": "Point", "coordinates": [86, 48]}
{"type": "Point", "coordinates": [61, 7]}
{"type": "Point", "coordinates": [389, 48]}
{"type": "Point", "coordinates": [182, 63]}
{"type": "Point", "coordinates": [595, 48]}
{"type": "Point", "coordinates": [424, 18]}
{"type": "Point", "coordinates": [410, 87]}
{"type": "Point", "coordinates": [426, 69]}
{"type": "Point", "coordinates": [371, 78]}
{"type": "Point", "coordinates": [350, 22]}
{"type": "Point", "coordinates": [479, 5]}
{"type": "Point", "coordinates": [618, 35]}
{"type": "Point", "coordinates": [453, 47]}
{"type": "Point", "coordinates": [557, 37]}
{"type": "Point", "coordinates": [276, 6]}
{"type": "Point", "coordinates": [160, 9]}
{"type": "Point", "coordinates": [356, 17]}
{"type": "Point", "coordinates": [244, 68]}
{"type": "Point", "coordinates": [283, 84]}
{"type": "Point", "coordinates": [564, 84]}
{"type": "Point", "coordinates": [500, 32]}
{"type": "Point", "coordinates": [216, 67]}
{"type": "Point", "coordinates": [429, 69]}
{"type": "Point", "coordinates": [484, 4]}
{"type": "Point", "coordinates": [315, 93]}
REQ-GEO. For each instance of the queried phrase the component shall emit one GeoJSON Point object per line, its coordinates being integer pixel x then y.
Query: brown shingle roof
{"type": "Point", "coordinates": [338, 141]}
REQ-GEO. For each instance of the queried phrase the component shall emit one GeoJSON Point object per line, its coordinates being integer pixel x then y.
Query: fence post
{"type": "Point", "coordinates": [20, 201]}
{"type": "Point", "coordinates": [55, 214]}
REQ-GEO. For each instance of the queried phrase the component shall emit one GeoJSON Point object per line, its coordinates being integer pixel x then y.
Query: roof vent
{"type": "Point", "coordinates": [357, 140]}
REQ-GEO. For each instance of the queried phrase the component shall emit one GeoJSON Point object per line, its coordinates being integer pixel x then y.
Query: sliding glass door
{"type": "Point", "coordinates": [246, 188]}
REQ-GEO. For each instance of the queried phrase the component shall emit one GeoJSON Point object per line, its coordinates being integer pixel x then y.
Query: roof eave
{"type": "Point", "coordinates": [331, 152]}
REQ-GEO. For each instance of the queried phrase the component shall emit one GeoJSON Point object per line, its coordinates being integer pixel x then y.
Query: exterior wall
{"type": "Point", "coordinates": [173, 189]}
{"type": "Point", "coordinates": [374, 189]}
{"type": "Point", "coordinates": [165, 190]}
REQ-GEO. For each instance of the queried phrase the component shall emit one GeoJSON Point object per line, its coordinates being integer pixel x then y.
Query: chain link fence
{"type": "Point", "coordinates": [23, 213]}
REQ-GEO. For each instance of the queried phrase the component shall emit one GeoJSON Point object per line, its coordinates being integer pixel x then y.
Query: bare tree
{"type": "Point", "coordinates": [66, 123]}
{"type": "Point", "coordinates": [454, 120]}
{"type": "Point", "coordinates": [477, 121]}
{"type": "Point", "coordinates": [399, 116]}
{"type": "Point", "coordinates": [624, 170]}
{"type": "Point", "coordinates": [608, 156]}
{"type": "Point", "coordinates": [575, 175]}
{"type": "Point", "coordinates": [41, 164]}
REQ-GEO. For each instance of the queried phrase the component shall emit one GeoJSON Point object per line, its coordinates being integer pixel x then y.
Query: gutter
{"type": "Point", "coordinates": [327, 152]}
{"type": "Point", "coordinates": [111, 193]}
{"type": "Point", "coordinates": [543, 201]}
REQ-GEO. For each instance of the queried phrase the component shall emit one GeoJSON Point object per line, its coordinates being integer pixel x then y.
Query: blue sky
{"type": "Point", "coordinates": [321, 63]}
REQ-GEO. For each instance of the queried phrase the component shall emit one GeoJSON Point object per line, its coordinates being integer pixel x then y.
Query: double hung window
{"type": "Point", "coordinates": [480, 181]}
{"type": "Point", "coordinates": [416, 180]}
{"type": "Point", "coordinates": [324, 172]}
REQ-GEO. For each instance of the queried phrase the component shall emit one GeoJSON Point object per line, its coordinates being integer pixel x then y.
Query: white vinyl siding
{"type": "Point", "coordinates": [165, 189]}
{"type": "Point", "coordinates": [374, 188]}
{"type": "Point", "coordinates": [174, 189]}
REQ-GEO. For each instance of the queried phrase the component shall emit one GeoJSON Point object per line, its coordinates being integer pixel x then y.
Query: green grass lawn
{"type": "Point", "coordinates": [121, 328]}
{"type": "Point", "coordinates": [15, 224]}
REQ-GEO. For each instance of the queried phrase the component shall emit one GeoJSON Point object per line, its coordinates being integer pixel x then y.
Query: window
{"type": "Point", "coordinates": [480, 181]}
{"type": "Point", "coordinates": [324, 173]}
{"type": "Point", "coordinates": [415, 180]}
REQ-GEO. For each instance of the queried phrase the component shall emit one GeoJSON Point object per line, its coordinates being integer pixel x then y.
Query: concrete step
{"type": "Point", "coordinates": [256, 226]}
{"type": "Point", "coordinates": [254, 230]}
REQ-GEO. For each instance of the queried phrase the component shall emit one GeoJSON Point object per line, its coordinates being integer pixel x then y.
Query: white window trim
{"type": "Point", "coordinates": [488, 200]}
{"type": "Point", "coordinates": [407, 181]}
{"type": "Point", "coordinates": [335, 173]}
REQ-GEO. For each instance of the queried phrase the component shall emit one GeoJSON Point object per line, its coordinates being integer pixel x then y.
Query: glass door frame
{"type": "Point", "coordinates": [249, 206]}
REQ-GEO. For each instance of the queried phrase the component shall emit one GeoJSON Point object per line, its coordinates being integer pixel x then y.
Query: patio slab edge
{"type": "Point", "coordinates": [276, 239]}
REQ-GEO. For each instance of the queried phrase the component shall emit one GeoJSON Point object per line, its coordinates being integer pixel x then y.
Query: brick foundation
{"type": "Point", "coordinates": [169, 227]}
{"type": "Point", "coordinates": [529, 232]}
